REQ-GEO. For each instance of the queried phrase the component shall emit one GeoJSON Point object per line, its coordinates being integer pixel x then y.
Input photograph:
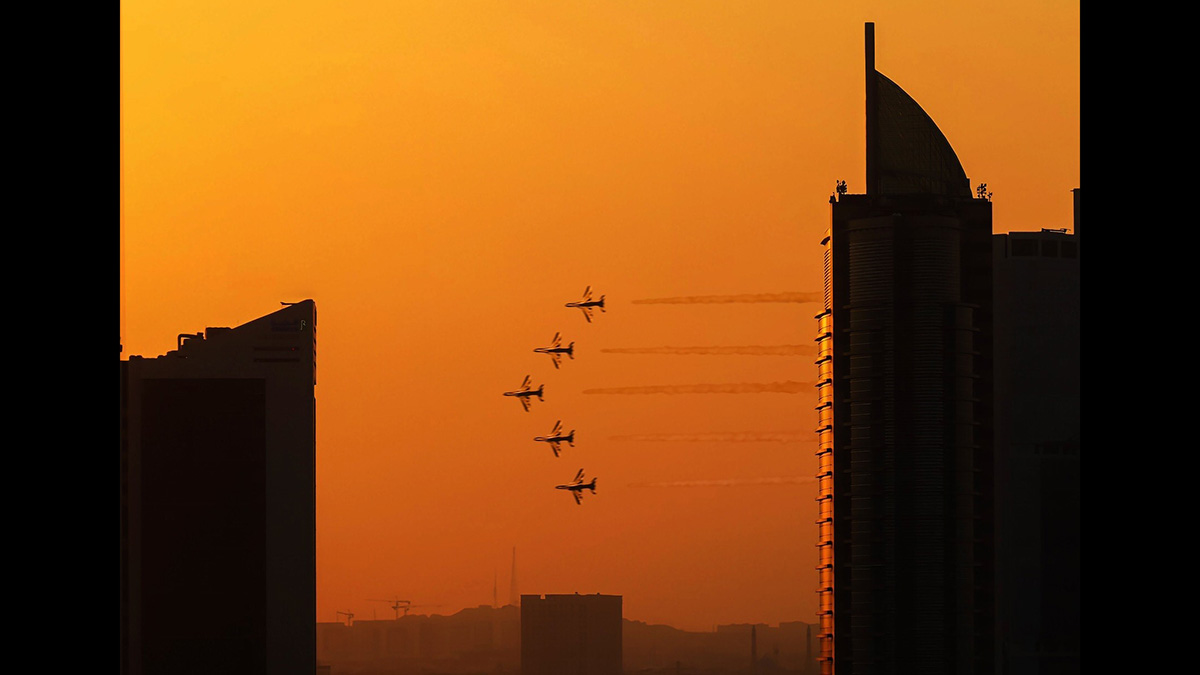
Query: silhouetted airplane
{"type": "Point", "coordinates": [556, 437]}
{"type": "Point", "coordinates": [525, 392]}
{"type": "Point", "coordinates": [557, 350]}
{"type": "Point", "coordinates": [587, 304]}
{"type": "Point", "coordinates": [577, 486]}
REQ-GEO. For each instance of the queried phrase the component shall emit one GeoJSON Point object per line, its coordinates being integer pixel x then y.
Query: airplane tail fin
{"type": "Point", "coordinates": [571, 438]}
{"type": "Point", "coordinates": [601, 303]}
{"type": "Point", "coordinates": [592, 487]}
{"type": "Point", "coordinates": [540, 392]}
{"type": "Point", "coordinates": [571, 350]}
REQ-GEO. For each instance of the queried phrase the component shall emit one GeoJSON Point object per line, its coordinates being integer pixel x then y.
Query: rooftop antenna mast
{"type": "Point", "coordinates": [121, 120]}
{"type": "Point", "coordinates": [514, 598]}
{"type": "Point", "coordinates": [872, 113]}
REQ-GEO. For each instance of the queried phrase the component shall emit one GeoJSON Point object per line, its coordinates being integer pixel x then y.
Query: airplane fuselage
{"type": "Point", "coordinates": [569, 438]}
{"type": "Point", "coordinates": [525, 392]}
{"type": "Point", "coordinates": [576, 487]}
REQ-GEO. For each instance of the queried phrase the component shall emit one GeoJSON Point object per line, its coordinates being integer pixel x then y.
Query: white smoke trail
{"type": "Point", "coordinates": [732, 482]}
{"type": "Point", "coordinates": [725, 299]}
{"type": "Point", "coordinates": [788, 387]}
{"type": "Point", "coordinates": [777, 350]}
{"type": "Point", "coordinates": [724, 437]}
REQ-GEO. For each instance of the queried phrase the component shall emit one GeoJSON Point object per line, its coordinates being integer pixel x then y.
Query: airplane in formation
{"type": "Point", "coordinates": [556, 437]}
{"type": "Point", "coordinates": [556, 350]}
{"type": "Point", "coordinates": [577, 487]}
{"type": "Point", "coordinates": [525, 392]}
{"type": "Point", "coordinates": [587, 304]}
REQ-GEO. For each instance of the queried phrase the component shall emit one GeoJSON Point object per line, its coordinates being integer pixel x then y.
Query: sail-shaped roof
{"type": "Point", "coordinates": [914, 156]}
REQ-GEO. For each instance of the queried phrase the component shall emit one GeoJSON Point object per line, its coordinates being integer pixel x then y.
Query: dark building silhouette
{"type": "Point", "coordinates": [1037, 450]}
{"type": "Point", "coordinates": [475, 640]}
{"type": "Point", "coordinates": [571, 635]}
{"type": "Point", "coordinates": [905, 407]}
{"type": "Point", "coordinates": [218, 509]}
{"type": "Point", "coordinates": [789, 647]}
{"type": "Point", "coordinates": [488, 640]}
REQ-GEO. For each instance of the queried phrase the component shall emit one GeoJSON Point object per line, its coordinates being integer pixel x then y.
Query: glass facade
{"type": "Point", "coordinates": [824, 365]}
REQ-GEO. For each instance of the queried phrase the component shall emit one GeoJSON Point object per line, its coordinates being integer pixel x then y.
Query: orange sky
{"type": "Point", "coordinates": [442, 176]}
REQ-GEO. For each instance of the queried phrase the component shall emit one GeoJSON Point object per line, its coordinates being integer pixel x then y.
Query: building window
{"type": "Point", "coordinates": [1024, 247]}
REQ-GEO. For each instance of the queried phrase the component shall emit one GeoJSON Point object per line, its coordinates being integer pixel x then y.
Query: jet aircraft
{"type": "Point", "coordinates": [587, 304]}
{"type": "Point", "coordinates": [557, 350]}
{"type": "Point", "coordinates": [577, 486]}
{"type": "Point", "coordinates": [525, 392]}
{"type": "Point", "coordinates": [556, 437]}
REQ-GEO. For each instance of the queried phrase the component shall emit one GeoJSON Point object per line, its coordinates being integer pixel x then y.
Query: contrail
{"type": "Point", "coordinates": [724, 437]}
{"type": "Point", "coordinates": [785, 480]}
{"type": "Point", "coordinates": [788, 387]}
{"type": "Point", "coordinates": [778, 350]}
{"type": "Point", "coordinates": [724, 299]}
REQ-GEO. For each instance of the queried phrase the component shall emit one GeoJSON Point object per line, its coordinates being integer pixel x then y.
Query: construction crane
{"type": "Point", "coordinates": [401, 605]}
{"type": "Point", "coordinates": [349, 617]}
{"type": "Point", "coordinates": [397, 605]}
{"type": "Point", "coordinates": [406, 613]}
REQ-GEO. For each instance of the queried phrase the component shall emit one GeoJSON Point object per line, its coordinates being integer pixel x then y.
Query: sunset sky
{"type": "Point", "coordinates": [441, 177]}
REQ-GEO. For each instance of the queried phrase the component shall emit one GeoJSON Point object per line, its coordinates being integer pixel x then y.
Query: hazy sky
{"type": "Point", "coordinates": [441, 177]}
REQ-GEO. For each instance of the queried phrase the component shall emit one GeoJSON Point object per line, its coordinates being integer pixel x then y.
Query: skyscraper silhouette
{"type": "Point", "coordinates": [1037, 450]}
{"type": "Point", "coordinates": [905, 406]}
{"type": "Point", "coordinates": [218, 517]}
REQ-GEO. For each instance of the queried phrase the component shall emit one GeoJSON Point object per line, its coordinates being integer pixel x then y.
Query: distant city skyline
{"type": "Point", "coordinates": [486, 639]}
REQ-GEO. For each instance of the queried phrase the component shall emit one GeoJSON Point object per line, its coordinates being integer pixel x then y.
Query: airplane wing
{"type": "Point", "coordinates": [525, 384]}
{"type": "Point", "coordinates": [524, 402]}
{"type": "Point", "coordinates": [578, 476]}
{"type": "Point", "coordinates": [578, 497]}
{"type": "Point", "coordinates": [554, 447]}
{"type": "Point", "coordinates": [557, 428]}
{"type": "Point", "coordinates": [587, 294]}
{"type": "Point", "coordinates": [555, 356]}
{"type": "Point", "coordinates": [557, 340]}
{"type": "Point", "coordinates": [587, 313]}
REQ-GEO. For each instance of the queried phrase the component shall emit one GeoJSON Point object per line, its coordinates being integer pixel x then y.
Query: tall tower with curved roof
{"type": "Point", "coordinates": [905, 407]}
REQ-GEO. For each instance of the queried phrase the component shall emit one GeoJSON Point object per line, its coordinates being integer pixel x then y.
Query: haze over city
{"type": "Point", "coordinates": [442, 177]}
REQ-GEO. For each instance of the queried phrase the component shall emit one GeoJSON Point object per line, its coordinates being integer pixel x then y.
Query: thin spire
{"type": "Point", "coordinates": [872, 186]}
{"type": "Point", "coordinates": [514, 596]}
{"type": "Point", "coordinates": [121, 230]}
